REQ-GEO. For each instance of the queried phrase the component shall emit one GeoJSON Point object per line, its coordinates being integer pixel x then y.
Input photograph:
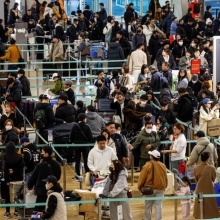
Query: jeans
{"type": "Point", "coordinates": [12, 67]}
{"type": "Point", "coordinates": [157, 204]}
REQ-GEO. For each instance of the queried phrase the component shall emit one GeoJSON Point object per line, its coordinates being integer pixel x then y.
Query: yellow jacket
{"type": "Point", "coordinates": [157, 180]}
{"type": "Point", "coordinates": [56, 12]}
{"type": "Point", "coordinates": [12, 54]}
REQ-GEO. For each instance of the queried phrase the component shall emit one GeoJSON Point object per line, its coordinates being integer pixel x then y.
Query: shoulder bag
{"type": "Point", "coordinates": [148, 190]}
{"type": "Point", "coordinates": [201, 152]}
{"type": "Point", "coordinates": [85, 51]}
{"type": "Point", "coordinates": [82, 132]}
{"type": "Point", "coordinates": [20, 60]}
{"type": "Point", "coordinates": [203, 171]}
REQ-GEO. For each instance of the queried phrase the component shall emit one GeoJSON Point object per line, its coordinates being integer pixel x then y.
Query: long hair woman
{"type": "Point", "coordinates": [116, 188]}
{"type": "Point", "coordinates": [182, 79]}
{"type": "Point", "coordinates": [12, 170]}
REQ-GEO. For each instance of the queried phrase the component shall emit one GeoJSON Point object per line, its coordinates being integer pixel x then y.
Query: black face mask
{"type": "Point", "coordinates": [139, 31]}
{"type": "Point", "coordinates": [42, 156]}
{"type": "Point", "coordinates": [99, 85]}
{"type": "Point", "coordinates": [111, 169]}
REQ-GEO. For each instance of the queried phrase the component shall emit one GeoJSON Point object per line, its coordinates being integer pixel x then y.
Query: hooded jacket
{"type": "Point", "coordinates": [203, 145]}
{"type": "Point", "coordinates": [47, 167]}
{"type": "Point", "coordinates": [100, 160]}
{"type": "Point", "coordinates": [12, 117]}
{"type": "Point", "coordinates": [10, 135]}
{"type": "Point", "coordinates": [55, 204]}
{"type": "Point", "coordinates": [26, 91]}
{"type": "Point", "coordinates": [115, 52]}
{"type": "Point", "coordinates": [95, 122]}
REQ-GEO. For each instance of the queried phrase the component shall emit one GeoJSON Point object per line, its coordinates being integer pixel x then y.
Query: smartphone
{"type": "Point", "coordinates": [35, 216]}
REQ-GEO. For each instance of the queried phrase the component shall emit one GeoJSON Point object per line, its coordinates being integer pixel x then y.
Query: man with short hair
{"type": "Point", "coordinates": [94, 120]}
{"type": "Point", "coordinates": [139, 37]}
{"type": "Point", "coordinates": [130, 13]}
{"type": "Point", "coordinates": [167, 72]}
{"type": "Point", "coordinates": [6, 12]}
{"type": "Point", "coordinates": [68, 91]}
{"type": "Point", "coordinates": [203, 144]}
{"type": "Point", "coordinates": [120, 144]}
{"type": "Point", "coordinates": [102, 13]}
{"type": "Point", "coordinates": [195, 84]}
{"type": "Point", "coordinates": [73, 31]}
{"type": "Point", "coordinates": [26, 17]}
{"type": "Point", "coordinates": [83, 23]}
{"type": "Point", "coordinates": [59, 30]}
{"type": "Point", "coordinates": [80, 107]}
{"type": "Point", "coordinates": [142, 106]}
{"type": "Point", "coordinates": [137, 59]}
{"type": "Point", "coordinates": [126, 46]}
{"type": "Point", "coordinates": [101, 157]}
{"type": "Point", "coordinates": [66, 112]}
{"type": "Point", "coordinates": [52, 23]}
{"type": "Point", "coordinates": [153, 174]}
{"type": "Point", "coordinates": [47, 167]}
{"type": "Point", "coordinates": [26, 91]}
{"type": "Point", "coordinates": [147, 140]}
{"type": "Point", "coordinates": [155, 79]}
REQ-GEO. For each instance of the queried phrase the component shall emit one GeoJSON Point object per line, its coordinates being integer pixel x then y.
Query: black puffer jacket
{"type": "Point", "coordinates": [10, 135]}
{"type": "Point", "coordinates": [15, 94]}
{"type": "Point", "coordinates": [66, 112]}
{"type": "Point", "coordinates": [81, 133]}
{"type": "Point", "coordinates": [16, 166]}
{"type": "Point", "coordinates": [115, 52]}
{"type": "Point", "coordinates": [47, 167]}
{"type": "Point", "coordinates": [49, 114]}
{"type": "Point", "coordinates": [12, 117]}
{"type": "Point", "coordinates": [26, 91]}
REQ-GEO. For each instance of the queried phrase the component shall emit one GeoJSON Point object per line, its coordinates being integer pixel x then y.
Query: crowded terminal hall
{"type": "Point", "coordinates": [109, 109]}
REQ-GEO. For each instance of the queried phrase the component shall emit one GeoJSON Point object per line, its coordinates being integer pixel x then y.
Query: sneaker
{"type": "Point", "coordinates": [7, 215]}
{"type": "Point", "coordinates": [17, 215]}
{"type": "Point", "coordinates": [75, 179]}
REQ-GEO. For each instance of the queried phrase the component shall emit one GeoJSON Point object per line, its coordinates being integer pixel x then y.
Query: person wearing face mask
{"type": "Point", "coordinates": [147, 140]}
{"type": "Point", "coordinates": [193, 46]}
{"type": "Point", "coordinates": [180, 29]}
{"type": "Point", "coordinates": [116, 188]}
{"type": "Point", "coordinates": [154, 45]}
{"type": "Point", "coordinates": [68, 91]}
{"type": "Point", "coordinates": [195, 84]}
{"type": "Point", "coordinates": [81, 134]}
{"type": "Point", "coordinates": [178, 149]}
{"type": "Point", "coordinates": [26, 91]}
{"type": "Point", "coordinates": [55, 204]}
{"type": "Point", "coordinates": [9, 133]}
{"type": "Point", "coordinates": [178, 51]}
{"type": "Point", "coordinates": [102, 91]}
{"type": "Point", "coordinates": [143, 106]}
{"type": "Point", "coordinates": [139, 37]}
{"type": "Point", "coordinates": [46, 167]}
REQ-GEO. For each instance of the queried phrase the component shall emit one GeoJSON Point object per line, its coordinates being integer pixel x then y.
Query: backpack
{"type": "Point", "coordinates": [163, 79]}
{"type": "Point", "coordinates": [40, 119]}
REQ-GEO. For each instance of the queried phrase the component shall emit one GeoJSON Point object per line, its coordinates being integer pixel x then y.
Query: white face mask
{"type": "Point", "coordinates": [143, 103]}
{"type": "Point", "coordinates": [19, 75]}
{"type": "Point", "coordinates": [135, 22]}
{"type": "Point", "coordinates": [86, 111]}
{"type": "Point", "coordinates": [8, 127]}
{"type": "Point", "coordinates": [148, 130]}
{"type": "Point", "coordinates": [192, 44]}
{"type": "Point", "coordinates": [118, 132]}
{"type": "Point", "coordinates": [181, 43]}
{"type": "Point", "coordinates": [194, 81]}
{"type": "Point", "coordinates": [46, 186]}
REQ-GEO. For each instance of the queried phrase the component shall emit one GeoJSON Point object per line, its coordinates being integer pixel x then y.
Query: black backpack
{"type": "Point", "coordinates": [40, 119]}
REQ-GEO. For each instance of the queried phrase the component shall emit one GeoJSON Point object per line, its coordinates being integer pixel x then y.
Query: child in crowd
{"type": "Point", "coordinates": [184, 191]}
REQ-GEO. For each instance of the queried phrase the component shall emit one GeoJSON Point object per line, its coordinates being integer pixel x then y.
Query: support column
{"type": "Point", "coordinates": [2, 12]}
{"type": "Point", "coordinates": [110, 7]}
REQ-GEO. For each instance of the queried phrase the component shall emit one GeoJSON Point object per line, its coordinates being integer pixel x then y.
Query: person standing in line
{"type": "Point", "coordinates": [153, 174]}
{"type": "Point", "coordinates": [205, 177]}
{"type": "Point", "coordinates": [81, 134]}
{"type": "Point", "coordinates": [102, 13]}
{"type": "Point", "coordinates": [178, 149]}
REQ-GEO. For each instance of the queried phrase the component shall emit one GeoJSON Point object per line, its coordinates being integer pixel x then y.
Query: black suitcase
{"type": "Point", "coordinates": [107, 116]}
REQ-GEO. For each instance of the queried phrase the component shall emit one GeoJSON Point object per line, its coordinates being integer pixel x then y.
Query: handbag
{"type": "Point", "coordinates": [137, 88]}
{"type": "Point", "coordinates": [148, 190]}
{"type": "Point", "coordinates": [20, 60]}
{"type": "Point", "coordinates": [85, 51]}
{"type": "Point", "coordinates": [129, 192]}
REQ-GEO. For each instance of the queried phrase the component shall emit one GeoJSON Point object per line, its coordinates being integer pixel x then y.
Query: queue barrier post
{"type": "Point", "coordinates": [200, 197]}
{"type": "Point", "coordinates": [64, 174]}
{"type": "Point", "coordinates": [175, 201]}
{"type": "Point", "coordinates": [99, 203]}
{"type": "Point", "coordinates": [132, 169]}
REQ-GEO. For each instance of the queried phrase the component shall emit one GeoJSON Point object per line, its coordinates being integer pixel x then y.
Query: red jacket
{"type": "Point", "coordinates": [192, 6]}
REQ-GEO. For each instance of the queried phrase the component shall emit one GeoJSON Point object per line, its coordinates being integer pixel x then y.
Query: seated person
{"type": "Point", "coordinates": [9, 114]}
{"type": "Point", "coordinates": [100, 157]}
{"type": "Point", "coordinates": [9, 133]}
{"type": "Point", "coordinates": [102, 91]}
{"type": "Point", "coordinates": [66, 112]}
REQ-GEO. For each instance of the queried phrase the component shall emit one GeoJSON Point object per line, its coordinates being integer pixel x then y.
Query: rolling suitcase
{"type": "Point", "coordinates": [30, 113]}
{"type": "Point", "coordinates": [104, 105]}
